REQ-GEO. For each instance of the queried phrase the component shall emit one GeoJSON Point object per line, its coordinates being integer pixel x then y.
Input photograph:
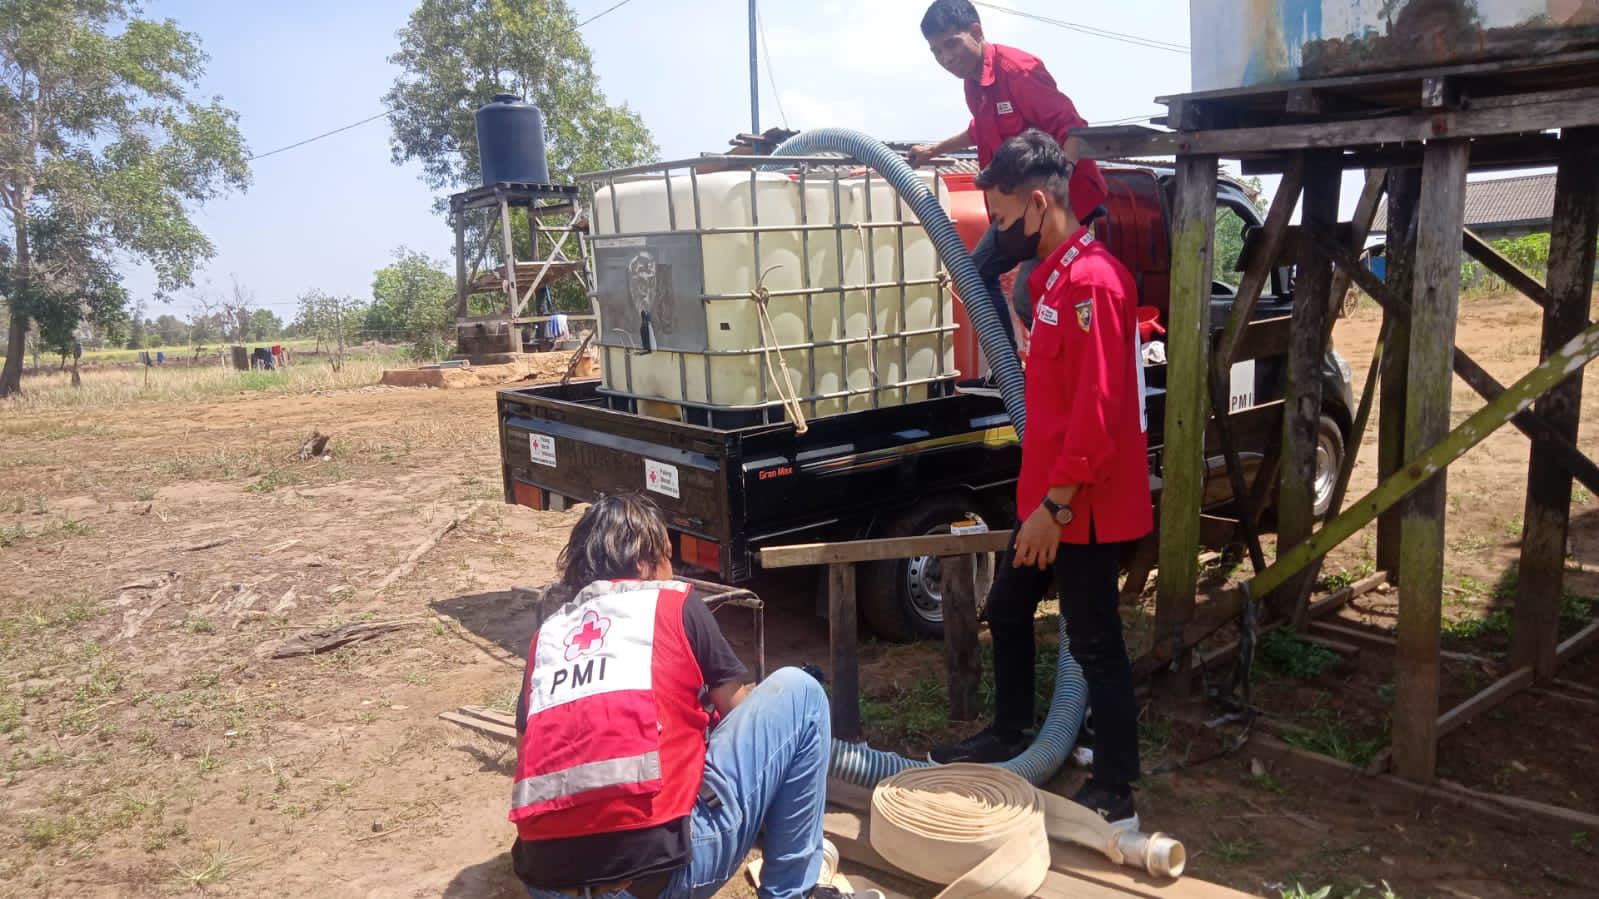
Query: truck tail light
{"type": "Point", "coordinates": [527, 495]}
{"type": "Point", "coordinates": [701, 553]}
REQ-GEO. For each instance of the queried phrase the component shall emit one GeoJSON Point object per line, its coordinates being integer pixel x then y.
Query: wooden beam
{"type": "Point", "coordinates": [1558, 816]}
{"type": "Point", "coordinates": [883, 548]}
{"type": "Point", "coordinates": [1434, 305]}
{"type": "Point", "coordinates": [842, 643]}
{"type": "Point", "coordinates": [1187, 412]}
{"type": "Point", "coordinates": [1508, 271]}
{"type": "Point", "coordinates": [1296, 519]}
{"type": "Point", "coordinates": [1384, 642]}
{"type": "Point", "coordinates": [1496, 693]}
{"type": "Point", "coordinates": [1535, 622]}
{"type": "Point", "coordinates": [1404, 193]}
{"type": "Point", "coordinates": [486, 728]}
{"type": "Point", "coordinates": [1256, 275]}
{"type": "Point", "coordinates": [1519, 151]}
{"type": "Point", "coordinates": [962, 662]}
{"type": "Point", "coordinates": [1564, 452]}
{"type": "Point", "coordinates": [1341, 597]}
{"type": "Point", "coordinates": [1489, 117]}
{"type": "Point", "coordinates": [1426, 466]}
{"type": "Point", "coordinates": [1577, 643]}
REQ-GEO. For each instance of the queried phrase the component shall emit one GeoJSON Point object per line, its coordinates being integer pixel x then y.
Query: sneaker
{"type": "Point", "coordinates": [821, 892]}
{"type": "Point", "coordinates": [986, 747]}
{"type": "Point", "coordinates": [1112, 804]}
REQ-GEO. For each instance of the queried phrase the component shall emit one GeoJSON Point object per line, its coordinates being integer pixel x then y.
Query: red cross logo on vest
{"type": "Point", "coordinates": [588, 636]}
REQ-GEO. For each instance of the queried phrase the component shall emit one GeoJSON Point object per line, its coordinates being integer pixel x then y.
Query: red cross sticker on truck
{"type": "Point", "coordinates": [588, 636]}
{"type": "Point", "coordinates": [661, 478]}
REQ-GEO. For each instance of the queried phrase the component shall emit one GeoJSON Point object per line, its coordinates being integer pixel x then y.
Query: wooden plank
{"type": "Point", "coordinates": [1577, 643]}
{"type": "Point", "coordinates": [1535, 621]}
{"type": "Point", "coordinates": [1302, 412]}
{"type": "Point", "coordinates": [1187, 410]}
{"type": "Point", "coordinates": [1496, 693]}
{"type": "Point", "coordinates": [1511, 273]}
{"type": "Point", "coordinates": [1554, 814]}
{"type": "Point", "coordinates": [962, 661]}
{"type": "Point", "coordinates": [1341, 597]}
{"type": "Point", "coordinates": [1258, 274]}
{"type": "Point", "coordinates": [487, 728]}
{"type": "Point", "coordinates": [1404, 193]}
{"type": "Point", "coordinates": [494, 716]}
{"type": "Point", "coordinates": [846, 824]}
{"type": "Point", "coordinates": [1434, 305]}
{"type": "Point", "coordinates": [1261, 338]}
{"type": "Point", "coordinates": [1385, 642]}
{"type": "Point", "coordinates": [842, 643]}
{"type": "Point", "coordinates": [876, 550]}
{"type": "Point", "coordinates": [1564, 452]}
{"type": "Point", "coordinates": [1521, 113]}
{"type": "Point", "coordinates": [1520, 151]}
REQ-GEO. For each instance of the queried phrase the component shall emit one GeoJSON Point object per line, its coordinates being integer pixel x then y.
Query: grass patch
{"type": "Point", "coordinates": [1330, 891]}
{"type": "Point", "coordinates": [115, 387]}
{"type": "Point", "coordinates": [213, 868]}
{"type": "Point", "coordinates": [1286, 653]}
{"type": "Point", "coordinates": [1235, 852]}
{"type": "Point", "coordinates": [915, 711]}
{"type": "Point", "coordinates": [1324, 730]}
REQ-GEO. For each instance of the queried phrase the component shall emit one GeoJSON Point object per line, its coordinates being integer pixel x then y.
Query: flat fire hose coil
{"type": "Point", "coordinates": [985, 831]}
{"type": "Point", "coordinates": [977, 828]}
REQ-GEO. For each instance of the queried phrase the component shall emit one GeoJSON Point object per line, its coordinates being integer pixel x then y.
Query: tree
{"type": "Point", "coordinates": [413, 299]}
{"type": "Point", "coordinates": [457, 54]}
{"type": "Point", "coordinates": [265, 325]}
{"type": "Point", "coordinates": [332, 320]}
{"type": "Point", "coordinates": [237, 312]}
{"type": "Point", "coordinates": [102, 152]}
{"type": "Point", "coordinates": [170, 330]}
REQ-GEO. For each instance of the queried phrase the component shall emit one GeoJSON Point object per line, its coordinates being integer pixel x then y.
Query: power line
{"type": "Point", "coordinates": [601, 14]}
{"type": "Point", "coordinates": [760, 22]}
{"type": "Point", "coordinates": [1133, 39]}
{"type": "Point", "coordinates": [604, 12]}
{"type": "Point", "coordinates": [320, 136]}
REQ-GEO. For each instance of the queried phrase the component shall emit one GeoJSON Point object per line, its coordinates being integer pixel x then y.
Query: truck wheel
{"type": "Point", "coordinates": [902, 601]}
{"type": "Point", "coordinates": [1329, 461]}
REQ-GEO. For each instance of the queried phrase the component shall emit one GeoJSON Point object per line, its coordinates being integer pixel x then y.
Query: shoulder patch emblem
{"type": "Point", "coordinates": [1049, 315]}
{"type": "Point", "coordinates": [1003, 107]}
{"type": "Point", "coordinates": [1085, 315]}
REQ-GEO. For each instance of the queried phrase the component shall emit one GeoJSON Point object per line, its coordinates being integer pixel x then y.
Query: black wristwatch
{"type": "Point", "coordinates": [1062, 514]}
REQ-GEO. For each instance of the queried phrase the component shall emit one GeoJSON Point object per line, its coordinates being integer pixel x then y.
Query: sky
{"type": "Point", "coordinates": [328, 214]}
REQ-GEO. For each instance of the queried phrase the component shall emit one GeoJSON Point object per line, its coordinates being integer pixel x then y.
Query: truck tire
{"type": "Point", "coordinates": [1329, 461]}
{"type": "Point", "coordinates": [901, 600]}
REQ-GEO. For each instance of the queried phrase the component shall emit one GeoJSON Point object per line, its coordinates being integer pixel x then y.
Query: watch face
{"type": "Point", "coordinates": [1064, 516]}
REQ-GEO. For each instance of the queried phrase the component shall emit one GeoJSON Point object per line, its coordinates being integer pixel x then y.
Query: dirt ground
{"type": "Point", "coordinates": [156, 555]}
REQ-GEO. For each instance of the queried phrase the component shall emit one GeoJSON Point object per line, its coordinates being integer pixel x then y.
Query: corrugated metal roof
{"type": "Point", "coordinates": [1500, 201]}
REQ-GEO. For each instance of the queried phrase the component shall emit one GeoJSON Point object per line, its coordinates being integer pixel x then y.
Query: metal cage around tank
{"type": "Point", "coordinates": [837, 173]}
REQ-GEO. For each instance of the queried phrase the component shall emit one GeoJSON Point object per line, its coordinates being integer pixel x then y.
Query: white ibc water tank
{"type": "Point", "coordinates": [846, 312]}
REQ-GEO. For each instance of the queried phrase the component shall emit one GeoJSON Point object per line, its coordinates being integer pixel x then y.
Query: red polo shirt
{"type": "Point", "coordinates": [1014, 93]}
{"type": "Point", "coordinates": [1085, 412]}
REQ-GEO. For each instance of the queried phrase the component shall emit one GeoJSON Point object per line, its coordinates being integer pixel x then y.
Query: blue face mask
{"type": "Point", "coordinates": [1014, 242]}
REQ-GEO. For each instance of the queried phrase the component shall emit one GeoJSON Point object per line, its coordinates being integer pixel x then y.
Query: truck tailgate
{"type": "Point", "coordinates": [559, 440]}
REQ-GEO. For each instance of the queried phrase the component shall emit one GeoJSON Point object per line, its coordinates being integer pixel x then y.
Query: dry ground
{"type": "Point", "coordinates": [155, 552]}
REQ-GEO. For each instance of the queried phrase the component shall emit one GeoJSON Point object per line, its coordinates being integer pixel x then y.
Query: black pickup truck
{"type": "Point", "coordinates": [894, 471]}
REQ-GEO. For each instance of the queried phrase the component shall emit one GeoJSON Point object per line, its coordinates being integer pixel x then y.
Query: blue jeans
{"type": "Point", "coordinates": [767, 763]}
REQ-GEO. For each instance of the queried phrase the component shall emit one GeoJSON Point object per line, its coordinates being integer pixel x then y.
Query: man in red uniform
{"type": "Point", "coordinates": [1008, 92]}
{"type": "Point", "coordinates": [1083, 494]}
{"type": "Point", "coordinates": [617, 791]}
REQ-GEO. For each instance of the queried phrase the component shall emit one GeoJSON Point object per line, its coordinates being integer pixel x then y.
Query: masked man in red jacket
{"type": "Point", "coordinates": [1083, 494]}
{"type": "Point", "coordinates": [619, 791]}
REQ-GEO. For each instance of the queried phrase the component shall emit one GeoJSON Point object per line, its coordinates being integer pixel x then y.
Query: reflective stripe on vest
{"type": "Point", "coordinates": [586, 778]}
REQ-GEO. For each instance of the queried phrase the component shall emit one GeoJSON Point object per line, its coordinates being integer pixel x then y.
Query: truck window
{"type": "Point", "coordinates": [1229, 246]}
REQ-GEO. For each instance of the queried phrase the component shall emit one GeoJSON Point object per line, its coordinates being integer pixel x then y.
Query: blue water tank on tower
{"type": "Point", "coordinates": [510, 142]}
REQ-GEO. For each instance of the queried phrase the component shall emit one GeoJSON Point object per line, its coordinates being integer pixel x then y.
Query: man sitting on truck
{"type": "Point", "coordinates": [1008, 92]}
{"type": "Point", "coordinates": [1083, 494]}
{"type": "Point", "coordinates": [618, 790]}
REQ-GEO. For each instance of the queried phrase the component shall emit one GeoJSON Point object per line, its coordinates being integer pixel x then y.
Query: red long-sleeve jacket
{"type": "Point", "coordinates": [1015, 92]}
{"type": "Point", "coordinates": [1085, 411]}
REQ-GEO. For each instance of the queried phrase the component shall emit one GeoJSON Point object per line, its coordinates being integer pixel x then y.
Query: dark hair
{"type": "Point", "coordinates": [1031, 160]}
{"type": "Point", "coordinates": [612, 539]}
{"type": "Point", "coordinates": [944, 16]}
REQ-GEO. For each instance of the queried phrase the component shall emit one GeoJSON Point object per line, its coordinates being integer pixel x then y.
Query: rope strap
{"type": "Point", "coordinates": [769, 344]}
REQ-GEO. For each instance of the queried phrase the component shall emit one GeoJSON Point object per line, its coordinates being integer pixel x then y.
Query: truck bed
{"type": "Point", "coordinates": [729, 491]}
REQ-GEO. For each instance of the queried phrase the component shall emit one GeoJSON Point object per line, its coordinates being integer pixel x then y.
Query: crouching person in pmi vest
{"type": "Point", "coordinates": [619, 791]}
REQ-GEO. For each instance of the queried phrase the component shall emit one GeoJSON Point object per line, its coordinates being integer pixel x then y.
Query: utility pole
{"type": "Point", "coordinates": [755, 81]}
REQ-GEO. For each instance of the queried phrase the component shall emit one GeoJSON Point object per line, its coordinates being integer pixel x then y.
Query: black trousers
{"type": "Point", "coordinates": [1085, 577]}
